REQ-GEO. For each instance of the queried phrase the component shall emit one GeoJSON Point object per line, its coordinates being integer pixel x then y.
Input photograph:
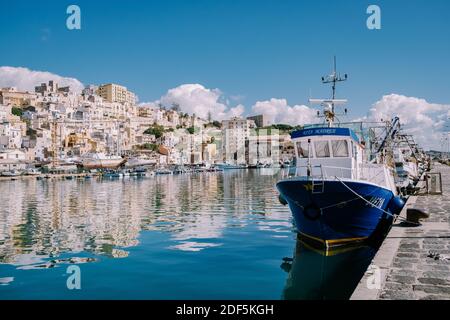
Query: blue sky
{"type": "Point", "coordinates": [253, 49]}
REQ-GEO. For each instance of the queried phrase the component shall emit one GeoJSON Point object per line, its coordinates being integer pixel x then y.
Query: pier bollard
{"type": "Point", "coordinates": [414, 215]}
{"type": "Point", "coordinates": [433, 182]}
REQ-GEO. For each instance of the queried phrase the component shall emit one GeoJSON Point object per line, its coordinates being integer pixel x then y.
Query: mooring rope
{"type": "Point", "coordinates": [343, 202]}
{"type": "Point", "coordinates": [358, 197]}
{"type": "Point", "coordinates": [372, 205]}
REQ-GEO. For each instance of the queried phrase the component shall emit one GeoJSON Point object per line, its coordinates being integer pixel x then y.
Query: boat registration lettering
{"type": "Point", "coordinates": [323, 131]}
{"type": "Point", "coordinates": [376, 202]}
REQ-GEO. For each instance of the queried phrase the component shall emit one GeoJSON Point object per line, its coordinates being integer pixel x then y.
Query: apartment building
{"type": "Point", "coordinates": [235, 135]}
{"type": "Point", "coordinates": [116, 93]}
{"type": "Point", "coordinates": [10, 96]}
{"type": "Point", "coordinates": [260, 120]}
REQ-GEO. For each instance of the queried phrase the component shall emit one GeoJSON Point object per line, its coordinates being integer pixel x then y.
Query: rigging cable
{"type": "Point", "coordinates": [371, 204]}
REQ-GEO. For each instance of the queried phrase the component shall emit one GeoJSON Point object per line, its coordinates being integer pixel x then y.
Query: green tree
{"type": "Point", "coordinates": [17, 111]}
{"type": "Point", "coordinates": [150, 146]}
{"type": "Point", "coordinates": [156, 130]}
{"type": "Point", "coordinates": [191, 130]}
{"type": "Point", "coordinates": [282, 127]}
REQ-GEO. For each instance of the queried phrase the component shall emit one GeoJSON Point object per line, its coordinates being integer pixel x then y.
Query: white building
{"type": "Point", "coordinates": [235, 135]}
{"type": "Point", "coordinates": [11, 135]}
{"type": "Point", "coordinates": [16, 154]}
{"type": "Point", "coordinates": [10, 165]}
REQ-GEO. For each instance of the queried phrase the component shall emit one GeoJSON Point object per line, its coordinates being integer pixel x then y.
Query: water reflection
{"type": "Point", "coordinates": [203, 236]}
{"type": "Point", "coordinates": [315, 274]}
{"type": "Point", "coordinates": [40, 220]}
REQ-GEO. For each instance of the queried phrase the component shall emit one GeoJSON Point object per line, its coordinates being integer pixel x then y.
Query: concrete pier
{"type": "Point", "coordinates": [414, 261]}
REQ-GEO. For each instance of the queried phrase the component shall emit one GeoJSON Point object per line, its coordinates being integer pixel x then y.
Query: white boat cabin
{"type": "Point", "coordinates": [330, 152]}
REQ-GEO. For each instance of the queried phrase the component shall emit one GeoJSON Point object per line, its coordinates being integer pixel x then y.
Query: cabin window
{"type": "Point", "coordinates": [340, 148]}
{"type": "Point", "coordinates": [303, 149]}
{"type": "Point", "coordinates": [322, 149]}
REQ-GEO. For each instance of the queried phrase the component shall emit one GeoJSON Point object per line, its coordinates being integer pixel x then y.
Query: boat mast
{"type": "Point", "coordinates": [334, 78]}
{"type": "Point", "coordinates": [329, 104]}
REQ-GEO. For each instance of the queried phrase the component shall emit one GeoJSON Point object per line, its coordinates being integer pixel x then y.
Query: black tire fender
{"type": "Point", "coordinates": [312, 212]}
{"type": "Point", "coordinates": [282, 200]}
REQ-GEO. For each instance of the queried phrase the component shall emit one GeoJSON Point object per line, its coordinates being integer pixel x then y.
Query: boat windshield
{"type": "Point", "coordinates": [340, 148]}
{"type": "Point", "coordinates": [303, 149]}
{"type": "Point", "coordinates": [322, 149]}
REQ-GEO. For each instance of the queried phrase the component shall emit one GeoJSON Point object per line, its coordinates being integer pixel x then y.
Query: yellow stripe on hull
{"type": "Point", "coordinates": [329, 252]}
{"type": "Point", "coordinates": [333, 242]}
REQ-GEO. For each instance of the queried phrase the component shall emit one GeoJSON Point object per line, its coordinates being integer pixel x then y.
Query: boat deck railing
{"type": "Point", "coordinates": [373, 173]}
{"type": "Point", "coordinates": [317, 171]}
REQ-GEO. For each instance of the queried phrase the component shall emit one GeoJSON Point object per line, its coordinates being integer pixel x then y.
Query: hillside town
{"type": "Point", "coordinates": [56, 128]}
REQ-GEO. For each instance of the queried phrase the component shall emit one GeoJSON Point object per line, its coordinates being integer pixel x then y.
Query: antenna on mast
{"type": "Point", "coordinates": [334, 78]}
{"type": "Point", "coordinates": [329, 104]}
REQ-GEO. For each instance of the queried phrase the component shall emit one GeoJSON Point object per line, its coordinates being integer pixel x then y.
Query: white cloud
{"type": "Point", "coordinates": [148, 105]}
{"type": "Point", "coordinates": [425, 120]}
{"type": "Point", "coordinates": [26, 79]}
{"type": "Point", "coordinates": [195, 98]}
{"type": "Point", "coordinates": [278, 111]}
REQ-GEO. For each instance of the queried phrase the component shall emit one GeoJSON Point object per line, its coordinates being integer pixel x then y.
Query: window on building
{"type": "Point", "coordinates": [303, 149]}
{"type": "Point", "coordinates": [322, 149]}
{"type": "Point", "coordinates": [340, 148]}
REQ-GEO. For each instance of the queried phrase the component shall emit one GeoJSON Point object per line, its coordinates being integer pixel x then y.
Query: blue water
{"type": "Point", "coordinates": [199, 236]}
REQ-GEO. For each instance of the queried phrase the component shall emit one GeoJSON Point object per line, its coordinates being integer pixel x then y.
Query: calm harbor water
{"type": "Point", "coordinates": [200, 236]}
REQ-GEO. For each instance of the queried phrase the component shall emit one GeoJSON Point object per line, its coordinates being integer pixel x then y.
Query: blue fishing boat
{"type": "Point", "coordinates": [336, 194]}
{"type": "Point", "coordinates": [229, 166]}
{"type": "Point", "coordinates": [111, 174]}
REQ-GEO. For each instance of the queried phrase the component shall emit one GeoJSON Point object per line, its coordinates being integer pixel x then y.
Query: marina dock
{"type": "Point", "coordinates": [414, 261]}
{"type": "Point", "coordinates": [46, 176]}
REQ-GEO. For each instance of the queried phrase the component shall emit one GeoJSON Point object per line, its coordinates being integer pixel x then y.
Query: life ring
{"type": "Point", "coordinates": [312, 211]}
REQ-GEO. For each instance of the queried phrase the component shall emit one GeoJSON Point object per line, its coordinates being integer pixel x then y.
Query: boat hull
{"type": "Point", "coordinates": [336, 216]}
{"type": "Point", "coordinates": [102, 163]}
{"type": "Point", "coordinates": [230, 166]}
{"type": "Point", "coordinates": [139, 163]}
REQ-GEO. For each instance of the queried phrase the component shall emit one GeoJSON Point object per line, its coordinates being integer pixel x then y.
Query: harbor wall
{"type": "Point", "coordinates": [413, 263]}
